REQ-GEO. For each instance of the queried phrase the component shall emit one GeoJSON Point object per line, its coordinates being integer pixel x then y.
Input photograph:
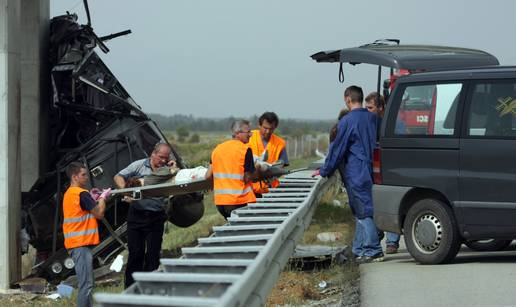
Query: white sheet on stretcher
{"type": "Point", "coordinates": [187, 175]}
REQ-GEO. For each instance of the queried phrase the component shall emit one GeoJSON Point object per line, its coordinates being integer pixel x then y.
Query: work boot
{"type": "Point", "coordinates": [370, 259]}
{"type": "Point", "coordinates": [391, 249]}
{"type": "Point", "coordinates": [356, 258]}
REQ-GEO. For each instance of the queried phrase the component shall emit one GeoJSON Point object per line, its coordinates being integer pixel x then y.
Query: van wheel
{"type": "Point", "coordinates": [431, 233]}
{"type": "Point", "coordinates": [491, 245]}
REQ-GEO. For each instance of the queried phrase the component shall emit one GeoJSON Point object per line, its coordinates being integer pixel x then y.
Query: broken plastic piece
{"type": "Point", "coordinates": [322, 284]}
{"type": "Point", "coordinates": [64, 290]}
{"type": "Point", "coordinates": [117, 264]}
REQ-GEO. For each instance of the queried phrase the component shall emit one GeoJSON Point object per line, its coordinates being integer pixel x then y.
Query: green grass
{"type": "Point", "coordinates": [302, 162]}
{"type": "Point", "coordinates": [196, 154]}
{"type": "Point", "coordinates": [177, 237]}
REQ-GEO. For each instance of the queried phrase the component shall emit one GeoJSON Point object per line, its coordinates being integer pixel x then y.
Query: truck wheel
{"type": "Point", "coordinates": [491, 245]}
{"type": "Point", "coordinates": [431, 233]}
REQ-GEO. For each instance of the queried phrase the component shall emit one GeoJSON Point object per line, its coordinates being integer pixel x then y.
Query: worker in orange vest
{"type": "Point", "coordinates": [80, 230]}
{"type": "Point", "coordinates": [232, 169]}
{"type": "Point", "coordinates": [267, 147]}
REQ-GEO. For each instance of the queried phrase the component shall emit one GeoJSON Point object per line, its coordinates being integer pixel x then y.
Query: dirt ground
{"type": "Point", "coordinates": [297, 287]}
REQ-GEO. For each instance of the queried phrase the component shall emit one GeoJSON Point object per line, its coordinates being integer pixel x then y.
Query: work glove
{"type": "Point", "coordinates": [105, 194]}
{"type": "Point", "coordinates": [262, 166]}
{"type": "Point", "coordinates": [95, 193]}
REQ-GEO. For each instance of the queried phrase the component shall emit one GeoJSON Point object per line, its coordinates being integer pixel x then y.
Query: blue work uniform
{"type": "Point", "coordinates": [352, 152]}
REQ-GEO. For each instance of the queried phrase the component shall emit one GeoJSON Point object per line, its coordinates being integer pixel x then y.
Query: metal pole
{"type": "Point", "coordinates": [379, 82]}
{"type": "Point", "coordinates": [10, 174]}
{"type": "Point", "coordinates": [57, 210]}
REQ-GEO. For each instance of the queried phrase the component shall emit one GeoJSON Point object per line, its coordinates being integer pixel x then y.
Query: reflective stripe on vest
{"type": "Point", "coordinates": [79, 226]}
{"type": "Point", "coordinates": [228, 161]}
{"type": "Point", "coordinates": [80, 233]}
{"type": "Point", "coordinates": [78, 219]}
{"type": "Point", "coordinates": [274, 148]}
{"type": "Point", "coordinates": [228, 176]}
{"type": "Point", "coordinates": [230, 191]}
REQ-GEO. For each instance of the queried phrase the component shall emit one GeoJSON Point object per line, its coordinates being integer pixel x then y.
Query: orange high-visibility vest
{"type": "Point", "coordinates": [274, 148]}
{"type": "Point", "coordinates": [79, 227]}
{"type": "Point", "coordinates": [227, 161]}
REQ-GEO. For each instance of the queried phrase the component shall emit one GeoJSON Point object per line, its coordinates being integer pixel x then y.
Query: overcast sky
{"type": "Point", "coordinates": [221, 58]}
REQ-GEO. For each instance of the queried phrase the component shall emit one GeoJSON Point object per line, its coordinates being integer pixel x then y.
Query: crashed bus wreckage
{"type": "Point", "coordinates": [92, 119]}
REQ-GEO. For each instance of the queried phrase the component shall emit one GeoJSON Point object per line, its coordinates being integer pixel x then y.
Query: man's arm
{"type": "Point", "coordinates": [87, 203]}
{"type": "Point", "coordinates": [209, 173]}
{"type": "Point", "coordinates": [131, 170]}
{"type": "Point", "coordinates": [337, 149]}
{"type": "Point", "coordinates": [119, 181]}
{"type": "Point", "coordinates": [99, 209]}
{"type": "Point", "coordinates": [251, 173]}
{"type": "Point", "coordinates": [284, 157]}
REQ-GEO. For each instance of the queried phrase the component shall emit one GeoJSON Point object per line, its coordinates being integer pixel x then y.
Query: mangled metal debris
{"type": "Point", "coordinates": [92, 119]}
{"type": "Point", "coordinates": [309, 257]}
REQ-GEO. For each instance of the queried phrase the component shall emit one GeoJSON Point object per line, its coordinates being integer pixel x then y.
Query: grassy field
{"type": "Point", "coordinates": [196, 154]}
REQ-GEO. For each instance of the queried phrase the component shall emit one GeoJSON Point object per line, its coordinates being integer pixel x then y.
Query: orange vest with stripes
{"type": "Point", "coordinates": [274, 148]}
{"type": "Point", "coordinates": [227, 161]}
{"type": "Point", "coordinates": [79, 227]}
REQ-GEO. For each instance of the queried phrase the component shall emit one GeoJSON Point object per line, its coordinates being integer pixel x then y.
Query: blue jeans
{"type": "Point", "coordinates": [366, 241]}
{"type": "Point", "coordinates": [84, 269]}
{"type": "Point", "coordinates": [392, 239]}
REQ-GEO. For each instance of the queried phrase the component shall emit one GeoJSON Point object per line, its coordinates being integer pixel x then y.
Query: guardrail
{"type": "Point", "coordinates": [240, 262]}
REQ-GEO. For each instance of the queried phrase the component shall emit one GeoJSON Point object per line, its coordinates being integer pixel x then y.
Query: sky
{"type": "Point", "coordinates": [240, 58]}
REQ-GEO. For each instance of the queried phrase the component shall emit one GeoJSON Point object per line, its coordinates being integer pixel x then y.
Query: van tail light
{"type": "Point", "coordinates": [377, 169]}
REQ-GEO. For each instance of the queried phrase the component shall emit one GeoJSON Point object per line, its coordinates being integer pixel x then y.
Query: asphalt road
{"type": "Point", "coordinates": [474, 279]}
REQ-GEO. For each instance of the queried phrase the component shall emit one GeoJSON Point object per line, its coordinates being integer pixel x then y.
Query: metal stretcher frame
{"type": "Point", "coordinates": [165, 189]}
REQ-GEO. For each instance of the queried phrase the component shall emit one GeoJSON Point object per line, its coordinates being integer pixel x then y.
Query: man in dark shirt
{"type": "Point", "coordinates": [80, 228]}
{"type": "Point", "coordinates": [146, 217]}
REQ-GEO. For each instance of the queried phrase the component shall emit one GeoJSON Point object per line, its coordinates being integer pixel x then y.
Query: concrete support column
{"type": "Point", "coordinates": [10, 161]}
{"type": "Point", "coordinates": [35, 28]}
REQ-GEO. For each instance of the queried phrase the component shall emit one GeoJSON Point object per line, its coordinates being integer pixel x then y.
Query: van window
{"type": "Point", "coordinates": [428, 109]}
{"type": "Point", "coordinates": [493, 109]}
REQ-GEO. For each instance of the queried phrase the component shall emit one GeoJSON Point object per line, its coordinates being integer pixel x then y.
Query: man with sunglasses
{"type": "Point", "coordinates": [232, 169]}
{"type": "Point", "coordinates": [146, 216]}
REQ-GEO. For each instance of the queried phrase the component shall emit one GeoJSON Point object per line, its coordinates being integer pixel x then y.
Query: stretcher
{"type": "Point", "coordinates": [165, 189]}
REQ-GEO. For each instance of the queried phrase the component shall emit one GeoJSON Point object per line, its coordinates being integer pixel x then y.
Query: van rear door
{"type": "Point", "coordinates": [487, 160]}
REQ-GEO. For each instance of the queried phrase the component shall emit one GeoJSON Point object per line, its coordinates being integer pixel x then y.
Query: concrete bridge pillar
{"type": "Point", "coordinates": [23, 24]}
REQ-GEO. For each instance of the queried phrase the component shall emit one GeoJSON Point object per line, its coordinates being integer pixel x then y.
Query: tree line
{"type": "Point", "coordinates": [292, 127]}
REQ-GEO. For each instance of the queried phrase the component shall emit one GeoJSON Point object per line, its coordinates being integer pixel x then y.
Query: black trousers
{"type": "Point", "coordinates": [144, 238]}
{"type": "Point", "coordinates": [225, 210]}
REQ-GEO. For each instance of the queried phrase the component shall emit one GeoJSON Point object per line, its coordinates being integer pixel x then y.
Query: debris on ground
{"type": "Point", "coordinates": [329, 236]}
{"type": "Point", "coordinates": [337, 203]}
{"type": "Point", "coordinates": [33, 285]}
{"type": "Point", "coordinates": [64, 290]}
{"type": "Point", "coordinates": [53, 296]}
{"type": "Point", "coordinates": [117, 264]}
{"type": "Point", "coordinates": [309, 257]}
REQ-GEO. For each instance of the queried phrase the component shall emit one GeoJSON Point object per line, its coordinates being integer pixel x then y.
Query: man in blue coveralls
{"type": "Point", "coordinates": [352, 151]}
